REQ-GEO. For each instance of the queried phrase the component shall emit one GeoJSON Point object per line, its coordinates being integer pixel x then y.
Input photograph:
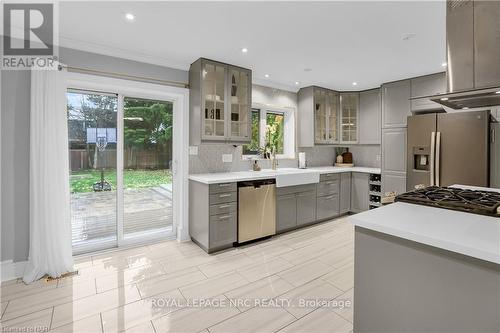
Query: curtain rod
{"type": "Point", "coordinates": [123, 76]}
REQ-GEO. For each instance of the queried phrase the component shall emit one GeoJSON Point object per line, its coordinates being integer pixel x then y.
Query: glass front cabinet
{"type": "Point", "coordinates": [349, 104]}
{"type": "Point", "coordinates": [220, 102]}
{"type": "Point", "coordinates": [327, 117]}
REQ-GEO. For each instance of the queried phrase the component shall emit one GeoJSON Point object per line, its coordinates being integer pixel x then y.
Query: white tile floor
{"type": "Point", "coordinates": [301, 281]}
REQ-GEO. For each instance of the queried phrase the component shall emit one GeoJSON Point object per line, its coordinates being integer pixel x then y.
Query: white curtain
{"type": "Point", "coordinates": [50, 249]}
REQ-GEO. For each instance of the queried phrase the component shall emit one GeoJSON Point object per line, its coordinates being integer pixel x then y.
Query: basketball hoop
{"type": "Point", "coordinates": [101, 143]}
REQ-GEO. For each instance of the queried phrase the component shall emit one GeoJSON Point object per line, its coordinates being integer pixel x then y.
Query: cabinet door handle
{"type": "Point", "coordinates": [225, 185]}
{"type": "Point", "coordinates": [224, 206]}
{"type": "Point", "coordinates": [224, 195]}
{"type": "Point", "coordinates": [224, 217]}
{"type": "Point", "coordinates": [329, 197]}
{"type": "Point", "coordinates": [330, 183]}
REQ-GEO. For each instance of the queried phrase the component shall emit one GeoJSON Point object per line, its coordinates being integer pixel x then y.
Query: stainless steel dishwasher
{"type": "Point", "coordinates": [256, 209]}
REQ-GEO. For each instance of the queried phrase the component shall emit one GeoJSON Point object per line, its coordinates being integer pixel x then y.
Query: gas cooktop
{"type": "Point", "coordinates": [477, 202]}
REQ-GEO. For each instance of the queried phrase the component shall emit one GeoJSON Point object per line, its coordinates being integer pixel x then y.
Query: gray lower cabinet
{"type": "Point", "coordinates": [327, 206]}
{"type": "Point", "coordinates": [360, 192]}
{"type": "Point", "coordinates": [328, 201]}
{"type": "Point", "coordinates": [306, 208]}
{"type": "Point", "coordinates": [345, 192]}
{"type": "Point", "coordinates": [296, 206]}
{"type": "Point", "coordinates": [287, 212]}
{"type": "Point", "coordinates": [223, 229]}
{"type": "Point", "coordinates": [213, 215]}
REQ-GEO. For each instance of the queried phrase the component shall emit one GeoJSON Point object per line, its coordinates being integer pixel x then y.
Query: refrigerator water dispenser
{"type": "Point", "coordinates": [421, 158]}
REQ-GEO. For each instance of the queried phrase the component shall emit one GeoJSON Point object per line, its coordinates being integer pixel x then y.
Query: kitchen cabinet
{"type": "Point", "coordinates": [219, 103]}
{"type": "Point", "coordinates": [296, 206]}
{"type": "Point", "coordinates": [213, 215]}
{"type": "Point", "coordinates": [345, 192]}
{"type": "Point", "coordinates": [349, 104]}
{"type": "Point", "coordinates": [370, 113]}
{"type": "Point", "coordinates": [306, 208]}
{"type": "Point", "coordinates": [393, 182]}
{"type": "Point", "coordinates": [359, 192]}
{"type": "Point", "coordinates": [394, 150]}
{"type": "Point", "coordinates": [286, 212]}
{"type": "Point", "coordinates": [395, 103]}
{"type": "Point", "coordinates": [328, 206]}
{"type": "Point", "coordinates": [328, 201]}
{"type": "Point", "coordinates": [427, 86]}
{"type": "Point", "coordinates": [318, 116]}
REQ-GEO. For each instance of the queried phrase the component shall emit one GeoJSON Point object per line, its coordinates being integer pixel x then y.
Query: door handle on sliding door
{"type": "Point", "coordinates": [433, 146]}
{"type": "Point", "coordinates": [438, 157]}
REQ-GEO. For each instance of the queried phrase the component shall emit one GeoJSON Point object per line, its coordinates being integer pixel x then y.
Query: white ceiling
{"type": "Point", "coordinates": [341, 42]}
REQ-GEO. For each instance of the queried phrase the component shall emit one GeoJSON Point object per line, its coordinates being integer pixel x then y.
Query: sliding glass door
{"type": "Point", "coordinates": [120, 151]}
{"type": "Point", "coordinates": [92, 133]}
{"type": "Point", "coordinates": [147, 164]}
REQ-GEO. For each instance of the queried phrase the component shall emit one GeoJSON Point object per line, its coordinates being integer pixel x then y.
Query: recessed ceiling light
{"type": "Point", "coordinates": [354, 83]}
{"type": "Point", "coordinates": [266, 75]}
{"type": "Point", "coordinates": [444, 98]}
{"type": "Point", "coordinates": [297, 83]}
{"type": "Point", "coordinates": [465, 108]}
{"type": "Point", "coordinates": [444, 64]}
{"type": "Point", "coordinates": [244, 50]}
{"type": "Point", "coordinates": [130, 16]}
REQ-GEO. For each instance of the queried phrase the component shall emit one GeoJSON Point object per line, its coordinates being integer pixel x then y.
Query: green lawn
{"type": "Point", "coordinates": [82, 181]}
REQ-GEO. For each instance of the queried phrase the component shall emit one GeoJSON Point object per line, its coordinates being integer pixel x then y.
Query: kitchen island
{"type": "Point", "coordinates": [426, 269]}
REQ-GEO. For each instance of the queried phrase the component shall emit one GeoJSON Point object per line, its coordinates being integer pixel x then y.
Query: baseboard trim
{"type": "Point", "coordinates": [11, 270]}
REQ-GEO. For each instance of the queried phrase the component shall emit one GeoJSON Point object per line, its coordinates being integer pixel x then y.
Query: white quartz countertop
{"type": "Point", "coordinates": [469, 234]}
{"type": "Point", "coordinates": [222, 177]}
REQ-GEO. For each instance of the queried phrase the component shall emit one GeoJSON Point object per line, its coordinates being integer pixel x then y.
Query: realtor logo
{"type": "Point", "coordinates": [28, 35]}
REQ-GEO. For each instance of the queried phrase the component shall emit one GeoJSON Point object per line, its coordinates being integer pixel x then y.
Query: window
{"type": "Point", "coordinates": [271, 128]}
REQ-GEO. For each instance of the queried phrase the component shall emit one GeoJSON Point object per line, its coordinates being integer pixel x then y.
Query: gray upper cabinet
{"type": "Point", "coordinates": [395, 103]}
{"type": "Point", "coordinates": [370, 113]}
{"type": "Point", "coordinates": [427, 86]}
{"type": "Point", "coordinates": [349, 105]}
{"type": "Point", "coordinates": [360, 188]}
{"type": "Point", "coordinates": [219, 102]}
{"type": "Point", "coordinates": [318, 116]}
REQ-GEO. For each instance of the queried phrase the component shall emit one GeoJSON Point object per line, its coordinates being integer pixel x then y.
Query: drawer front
{"type": "Point", "coordinates": [223, 208]}
{"type": "Point", "coordinates": [223, 230]}
{"type": "Point", "coordinates": [223, 187]}
{"type": "Point", "coordinates": [329, 176]}
{"type": "Point", "coordinates": [295, 189]}
{"type": "Point", "coordinates": [328, 187]}
{"type": "Point", "coordinates": [327, 207]}
{"type": "Point", "coordinates": [223, 197]}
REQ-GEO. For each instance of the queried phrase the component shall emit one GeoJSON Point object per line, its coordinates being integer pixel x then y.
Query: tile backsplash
{"type": "Point", "coordinates": [209, 158]}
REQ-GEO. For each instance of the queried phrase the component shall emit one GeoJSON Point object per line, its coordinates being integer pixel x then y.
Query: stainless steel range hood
{"type": "Point", "coordinates": [473, 54]}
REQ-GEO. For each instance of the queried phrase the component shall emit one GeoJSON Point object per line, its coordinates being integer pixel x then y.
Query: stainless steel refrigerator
{"type": "Point", "coordinates": [448, 148]}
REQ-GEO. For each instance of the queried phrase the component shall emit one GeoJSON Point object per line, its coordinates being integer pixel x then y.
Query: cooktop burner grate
{"type": "Point", "coordinates": [477, 202]}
